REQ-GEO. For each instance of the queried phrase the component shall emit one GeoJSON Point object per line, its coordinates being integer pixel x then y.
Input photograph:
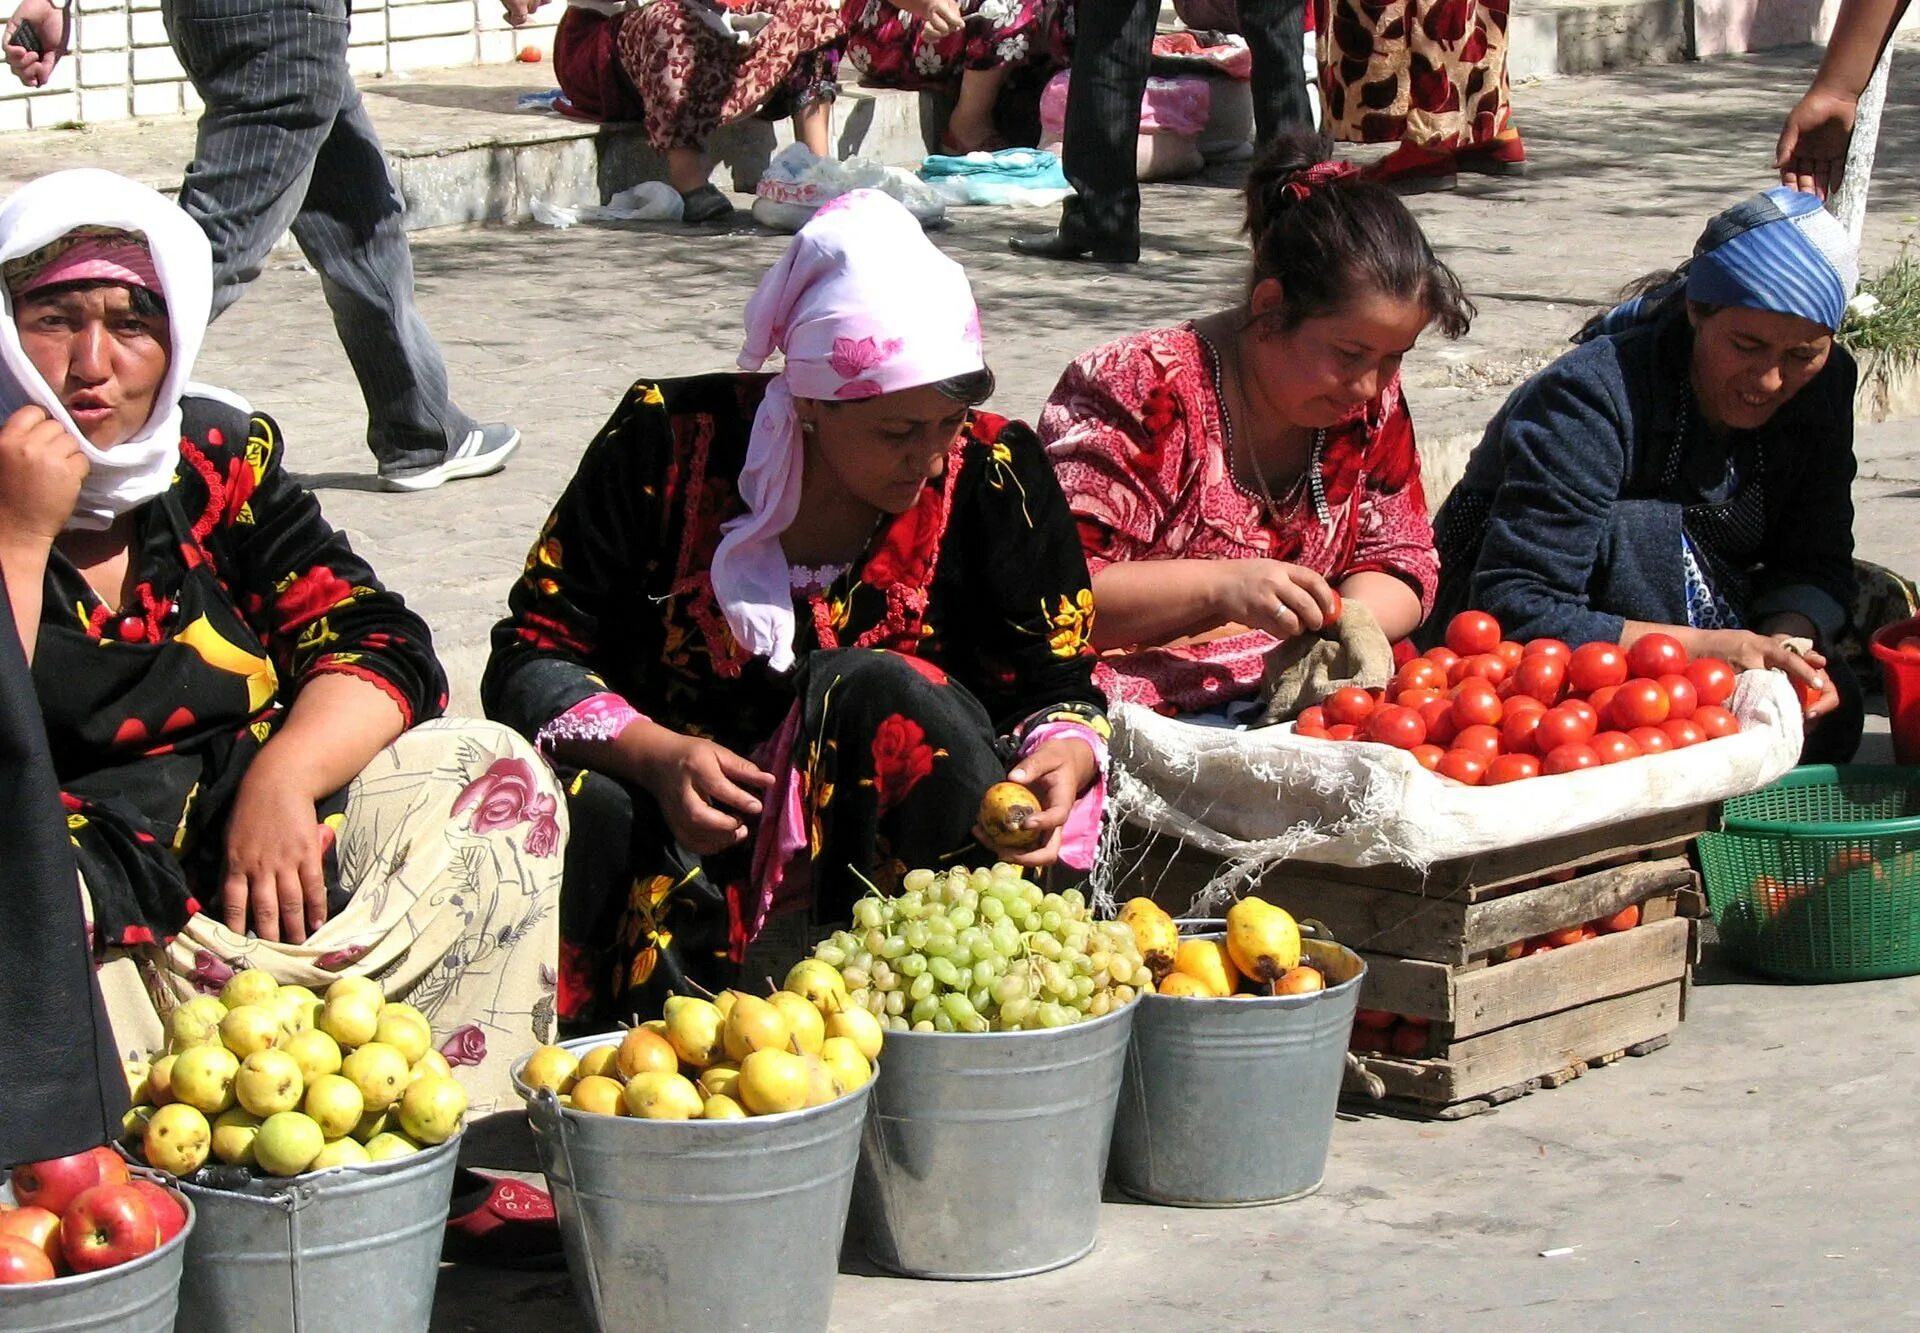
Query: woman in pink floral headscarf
{"type": "Point", "coordinates": [793, 626]}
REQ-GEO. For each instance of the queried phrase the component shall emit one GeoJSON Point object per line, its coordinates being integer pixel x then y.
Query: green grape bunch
{"type": "Point", "coordinates": [983, 951]}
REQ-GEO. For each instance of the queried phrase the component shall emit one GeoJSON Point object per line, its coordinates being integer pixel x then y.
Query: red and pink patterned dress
{"type": "Point", "coordinates": [1135, 430]}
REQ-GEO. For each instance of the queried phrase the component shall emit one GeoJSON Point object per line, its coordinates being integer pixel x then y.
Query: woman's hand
{"type": "Point", "coordinates": [941, 16]}
{"type": "Point", "coordinates": [1057, 771]}
{"type": "Point", "coordinates": [50, 25]}
{"type": "Point", "coordinates": [1812, 152]}
{"type": "Point", "coordinates": [701, 785]}
{"type": "Point", "coordinates": [41, 468]}
{"type": "Point", "coordinates": [1743, 650]}
{"type": "Point", "coordinates": [274, 850]}
{"type": "Point", "coordinates": [1282, 599]}
{"type": "Point", "coordinates": [519, 11]}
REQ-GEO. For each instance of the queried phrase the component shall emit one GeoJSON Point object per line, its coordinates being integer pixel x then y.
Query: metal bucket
{"type": "Point", "coordinates": [691, 1225]}
{"type": "Point", "coordinates": [1230, 1102]}
{"type": "Point", "coordinates": [140, 1297]}
{"type": "Point", "coordinates": [984, 1154]}
{"type": "Point", "coordinates": [343, 1251]}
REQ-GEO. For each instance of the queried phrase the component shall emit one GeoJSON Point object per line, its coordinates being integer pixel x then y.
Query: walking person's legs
{"type": "Point", "coordinates": [1275, 34]}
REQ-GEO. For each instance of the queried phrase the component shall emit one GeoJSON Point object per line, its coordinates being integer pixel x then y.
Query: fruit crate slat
{"type": "Point", "coordinates": [1473, 1000]}
{"type": "Point", "coordinates": [1481, 1065]}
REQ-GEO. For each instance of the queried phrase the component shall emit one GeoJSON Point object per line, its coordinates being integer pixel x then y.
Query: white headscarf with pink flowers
{"type": "Point", "coordinates": [861, 304]}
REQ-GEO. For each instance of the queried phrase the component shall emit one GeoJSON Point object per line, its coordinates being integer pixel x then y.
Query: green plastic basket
{"type": "Point", "coordinates": [1817, 877]}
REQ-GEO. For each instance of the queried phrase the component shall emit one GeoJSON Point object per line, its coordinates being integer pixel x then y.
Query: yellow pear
{"type": "Point", "coordinates": [364, 989]}
{"type": "Point", "coordinates": [385, 1147]}
{"type": "Point", "coordinates": [335, 1104]}
{"type": "Point", "coordinates": [268, 1082]}
{"type": "Point", "coordinates": [858, 1026]}
{"type": "Point", "coordinates": [160, 1080]}
{"type": "Point", "coordinates": [1179, 983]}
{"type": "Point", "coordinates": [821, 1088]}
{"type": "Point", "coordinates": [1208, 963]}
{"type": "Point", "coordinates": [287, 1144]}
{"type": "Point", "coordinates": [601, 1062]}
{"type": "Point", "coordinates": [379, 1071]}
{"type": "Point", "coordinates": [404, 1028]}
{"type": "Point", "coordinates": [693, 1029]}
{"type": "Point", "coordinates": [233, 1134]}
{"type": "Point", "coordinates": [340, 1152]}
{"type": "Point", "coordinates": [772, 1081]}
{"type": "Point", "coordinates": [646, 1052]}
{"type": "Point", "coordinates": [1263, 939]}
{"type": "Point", "coordinates": [431, 1109]}
{"type": "Point", "coordinates": [754, 1024]}
{"type": "Point", "coordinates": [597, 1094]}
{"type": "Point", "coordinates": [202, 1077]}
{"type": "Point", "coordinates": [846, 1063]}
{"type": "Point", "coordinates": [314, 1051]}
{"type": "Point", "coordinates": [659, 1095]}
{"type": "Point", "coordinates": [196, 1022]}
{"type": "Point", "coordinates": [431, 1063]}
{"type": "Point", "coordinates": [718, 1080]}
{"type": "Point", "coordinates": [250, 1028]}
{"type": "Point", "coordinates": [724, 1001]}
{"type": "Point", "coordinates": [250, 985]}
{"type": "Point", "coordinates": [1005, 812]}
{"type": "Point", "coordinates": [177, 1140]}
{"type": "Point", "coordinates": [551, 1067]}
{"type": "Point", "coordinates": [349, 1019]}
{"type": "Point", "coordinates": [820, 983]}
{"type": "Point", "coordinates": [1154, 931]}
{"type": "Point", "coordinates": [721, 1108]}
{"type": "Point", "coordinates": [803, 1020]}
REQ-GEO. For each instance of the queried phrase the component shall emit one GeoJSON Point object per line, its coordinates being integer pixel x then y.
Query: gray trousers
{"type": "Point", "coordinates": [285, 143]}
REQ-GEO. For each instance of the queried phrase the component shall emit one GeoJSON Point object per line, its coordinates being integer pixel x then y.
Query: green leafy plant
{"type": "Point", "coordinates": [1891, 331]}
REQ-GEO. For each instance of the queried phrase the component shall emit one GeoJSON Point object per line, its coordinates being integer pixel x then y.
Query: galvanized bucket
{"type": "Point", "coordinates": [691, 1225]}
{"type": "Point", "coordinates": [140, 1297]}
{"type": "Point", "coordinates": [348, 1250]}
{"type": "Point", "coordinates": [984, 1154]}
{"type": "Point", "coordinates": [1230, 1102]}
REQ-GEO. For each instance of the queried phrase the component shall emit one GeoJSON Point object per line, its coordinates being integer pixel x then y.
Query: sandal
{"type": "Point", "coordinates": [501, 1223]}
{"type": "Point", "coordinates": [1503, 155]}
{"type": "Point", "coordinates": [1410, 169]}
{"type": "Point", "coordinates": [705, 204]}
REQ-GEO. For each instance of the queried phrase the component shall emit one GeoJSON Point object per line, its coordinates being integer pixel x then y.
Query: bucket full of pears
{"type": "Point", "coordinates": [1234, 1069]}
{"type": "Point", "coordinates": [317, 1138]}
{"type": "Point", "coordinates": [716, 1141]}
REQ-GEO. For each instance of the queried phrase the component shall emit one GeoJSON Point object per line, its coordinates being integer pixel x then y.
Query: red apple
{"type": "Point", "coordinates": [56, 1183]}
{"type": "Point", "coordinates": [22, 1261]}
{"type": "Point", "coordinates": [36, 1226]}
{"type": "Point", "coordinates": [107, 1226]}
{"type": "Point", "coordinates": [167, 1209]}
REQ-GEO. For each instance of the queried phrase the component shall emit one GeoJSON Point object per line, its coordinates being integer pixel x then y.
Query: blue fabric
{"type": "Point", "coordinates": [1762, 255]}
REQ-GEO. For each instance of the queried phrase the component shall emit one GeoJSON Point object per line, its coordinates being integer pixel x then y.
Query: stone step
{"type": "Point", "coordinates": [1559, 37]}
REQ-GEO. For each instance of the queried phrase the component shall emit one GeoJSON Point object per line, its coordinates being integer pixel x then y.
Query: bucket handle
{"type": "Point", "coordinates": [293, 1201]}
{"type": "Point", "coordinates": [543, 1109]}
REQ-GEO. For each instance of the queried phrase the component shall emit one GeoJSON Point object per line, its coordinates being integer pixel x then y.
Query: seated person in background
{"type": "Point", "coordinates": [969, 45]}
{"type": "Point", "coordinates": [684, 68]}
{"type": "Point", "coordinates": [236, 709]}
{"type": "Point", "coordinates": [1231, 473]}
{"type": "Point", "coordinates": [793, 627]}
{"type": "Point", "coordinates": [1687, 469]}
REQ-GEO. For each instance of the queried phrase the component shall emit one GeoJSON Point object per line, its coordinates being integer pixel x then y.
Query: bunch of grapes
{"type": "Point", "coordinates": [983, 951]}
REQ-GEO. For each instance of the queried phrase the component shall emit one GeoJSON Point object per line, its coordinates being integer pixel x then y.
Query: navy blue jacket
{"type": "Point", "coordinates": [1564, 527]}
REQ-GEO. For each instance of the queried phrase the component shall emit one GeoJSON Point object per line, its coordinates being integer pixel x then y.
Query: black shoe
{"type": "Point", "coordinates": [1070, 243]}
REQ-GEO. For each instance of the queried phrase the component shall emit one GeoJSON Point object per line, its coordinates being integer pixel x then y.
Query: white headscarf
{"type": "Point", "coordinates": [861, 304]}
{"type": "Point", "coordinates": [133, 472]}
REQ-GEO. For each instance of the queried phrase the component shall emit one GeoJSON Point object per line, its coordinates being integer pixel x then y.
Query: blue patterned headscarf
{"type": "Point", "coordinates": [1780, 251]}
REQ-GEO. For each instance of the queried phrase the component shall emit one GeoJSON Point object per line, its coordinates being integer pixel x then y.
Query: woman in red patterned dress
{"type": "Point", "coordinates": [1230, 474]}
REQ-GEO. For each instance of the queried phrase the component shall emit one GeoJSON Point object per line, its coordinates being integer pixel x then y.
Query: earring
{"type": "Point", "coordinates": [806, 429]}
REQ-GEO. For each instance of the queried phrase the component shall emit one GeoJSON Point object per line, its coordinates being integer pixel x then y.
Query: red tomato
{"type": "Point", "coordinates": [1517, 728]}
{"type": "Point", "coordinates": [1585, 712]}
{"type": "Point", "coordinates": [1511, 768]}
{"type": "Point", "coordinates": [1484, 665]}
{"type": "Point", "coordinates": [1639, 703]}
{"type": "Point", "coordinates": [1714, 721]}
{"type": "Point", "coordinates": [1509, 652]}
{"type": "Point", "coordinates": [1654, 655]}
{"type": "Point", "coordinates": [1551, 648]}
{"type": "Point", "coordinates": [1542, 678]}
{"type": "Point", "coordinates": [1476, 703]}
{"type": "Point", "coordinates": [1560, 939]}
{"type": "Point", "coordinates": [1651, 740]}
{"type": "Point", "coordinates": [1601, 701]}
{"type": "Point", "coordinates": [1350, 705]}
{"type": "Point", "coordinates": [1682, 698]}
{"type": "Point", "coordinates": [1712, 679]}
{"type": "Point", "coordinates": [1316, 716]}
{"type": "Point", "coordinates": [1594, 666]}
{"type": "Point", "coordinates": [1462, 766]}
{"type": "Point", "coordinates": [1438, 715]}
{"type": "Point", "coordinates": [1683, 732]}
{"type": "Point", "coordinates": [1568, 758]}
{"type": "Point", "coordinates": [1419, 674]}
{"type": "Point", "coordinates": [1333, 616]}
{"type": "Point", "coordinates": [1442, 657]}
{"type": "Point", "coordinates": [1311, 733]}
{"type": "Point", "coordinates": [1427, 756]}
{"type": "Point", "coordinates": [1625, 919]}
{"type": "Point", "coordinates": [1615, 747]}
{"type": "Point", "coordinates": [1481, 740]}
{"type": "Point", "coordinates": [1522, 703]}
{"type": "Point", "coordinates": [1396, 726]}
{"type": "Point", "coordinates": [1473, 632]}
{"type": "Point", "coordinates": [1414, 698]}
{"type": "Point", "coordinates": [1561, 726]}
{"type": "Point", "coordinates": [1344, 731]}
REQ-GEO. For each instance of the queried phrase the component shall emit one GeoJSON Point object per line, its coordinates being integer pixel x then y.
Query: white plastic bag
{"type": "Point", "coordinates": [649, 201]}
{"type": "Point", "coordinates": [1254, 798]}
{"type": "Point", "coordinates": [797, 181]}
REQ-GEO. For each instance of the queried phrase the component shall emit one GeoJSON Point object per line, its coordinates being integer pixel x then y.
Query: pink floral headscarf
{"type": "Point", "coordinates": [861, 304]}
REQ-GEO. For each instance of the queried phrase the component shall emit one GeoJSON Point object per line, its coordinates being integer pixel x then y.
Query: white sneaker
{"type": "Point", "coordinates": [483, 452]}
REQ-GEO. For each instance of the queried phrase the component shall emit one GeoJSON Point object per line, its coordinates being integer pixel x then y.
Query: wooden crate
{"type": "Point", "coordinates": [1436, 947]}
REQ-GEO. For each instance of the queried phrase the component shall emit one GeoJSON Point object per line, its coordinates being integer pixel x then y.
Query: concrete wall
{"type": "Point", "coordinates": [120, 66]}
{"type": "Point", "coordinates": [1727, 27]}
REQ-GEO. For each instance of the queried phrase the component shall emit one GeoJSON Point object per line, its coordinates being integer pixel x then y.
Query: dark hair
{"type": "Point", "coordinates": [1662, 290]}
{"type": "Point", "coordinates": [146, 304]}
{"type": "Point", "coordinates": [1326, 240]}
{"type": "Point", "coordinates": [973, 388]}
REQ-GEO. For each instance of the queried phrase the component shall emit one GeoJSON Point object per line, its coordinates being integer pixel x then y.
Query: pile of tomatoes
{"type": "Point", "coordinates": [1484, 709]}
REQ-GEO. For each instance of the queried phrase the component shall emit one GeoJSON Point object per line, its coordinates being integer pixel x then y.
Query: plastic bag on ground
{"type": "Point", "coordinates": [797, 181]}
{"type": "Point", "coordinates": [1024, 177]}
{"type": "Point", "coordinates": [649, 201]}
{"type": "Point", "coordinates": [560, 216]}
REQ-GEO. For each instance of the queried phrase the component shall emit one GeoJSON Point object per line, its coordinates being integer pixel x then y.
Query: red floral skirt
{"type": "Point", "coordinates": [1432, 73]}
{"type": "Point", "coordinates": [890, 48]}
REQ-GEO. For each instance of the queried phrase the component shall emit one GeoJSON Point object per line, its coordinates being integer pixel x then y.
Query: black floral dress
{"type": "Point", "coordinates": [241, 592]}
{"type": "Point", "coordinates": [921, 667]}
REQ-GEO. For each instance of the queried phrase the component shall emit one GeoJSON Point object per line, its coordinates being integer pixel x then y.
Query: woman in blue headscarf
{"type": "Point", "coordinates": [1687, 469]}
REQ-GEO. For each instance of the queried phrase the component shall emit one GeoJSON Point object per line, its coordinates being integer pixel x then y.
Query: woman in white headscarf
{"type": "Point", "coordinates": [237, 710]}
{"type": "Point", "coordinates": [793, 626]}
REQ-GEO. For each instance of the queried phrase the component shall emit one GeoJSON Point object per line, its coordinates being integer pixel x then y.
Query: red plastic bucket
{"type": "Point", "coordinates": [1901, 671]}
